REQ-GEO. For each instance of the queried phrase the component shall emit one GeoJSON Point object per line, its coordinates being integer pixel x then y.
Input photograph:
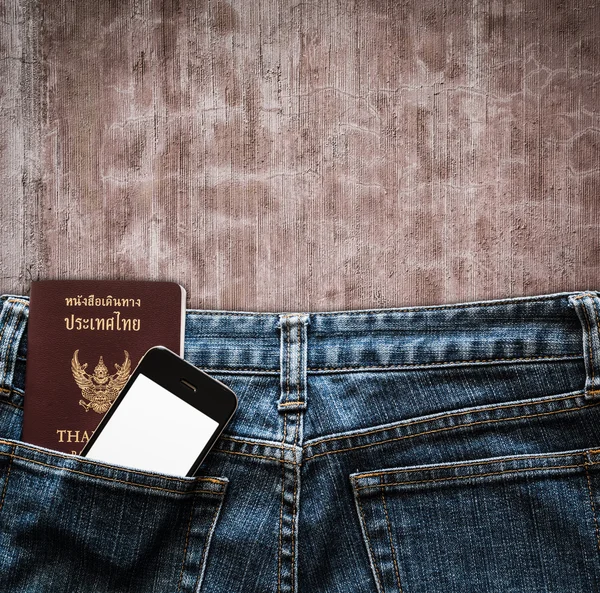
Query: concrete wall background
{"type": "Point", "coordinates": [302, 156]}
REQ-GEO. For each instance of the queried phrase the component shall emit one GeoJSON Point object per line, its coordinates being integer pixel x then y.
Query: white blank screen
{"type": "Point", "coordinates": [153, 430]}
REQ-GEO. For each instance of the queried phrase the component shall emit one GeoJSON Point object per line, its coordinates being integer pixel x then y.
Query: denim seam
{"type": "Point", "coordinates": [207, 544]}
{"type": "Point", "coordinates": [363, 521]}
{"type": "Point", "coordinates": [8, 325]}
{"type": "Point", "coordinates": [589, 339]}
{"type": "Point", "coordinates": [274, 444]}
{"type": "Point", "coordinates": [583, 296]}
{"type": "Point", "coordinates": [5, 488]}
{"type": "Point", "coordinates": [187, 538]}
{"type": "Point", "coordinates": [296, 431]}
{"type": "Point", "coordinates": [274, 371]}
{"type": "Point", "coordinates": [17, 301]}
{"type": "Point", "coordinates": [287, 381]}
{"type": "Point", "coordinates": [389, 529]}
{"type": "Point", "coordinates": [453, 478]}
{"type": "Point", "coordinates": [447, 428]}
{"type": "Point", "coordinates": [9, 390]}
{"type": "Point", "coordinates": [96, 463]}
{"type": "Point", "coordinates": [12, 404]}
{"type": "Point", "coordinates": [402, 424]}
{"type": "Point", "coordinates": [278, 459]}
{"type": "Point", "coordinates": [280, 551]}
{"type": "Point", "coordinates": [597, 324]}
{"type": "Point", "coordinates": [448, 362]}
{"type": "Point", "coordinates": [589, 485]}
{"type": "Point", "coordinates": [107, 479]}
{"type": "Point", "coordinates": [355, 435]}
{"type": "Point", "coordinates": [13, 326]}
{"type": "Point", "coordinates": [361, 476]}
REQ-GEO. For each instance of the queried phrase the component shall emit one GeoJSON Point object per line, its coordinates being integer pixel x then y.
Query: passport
{"type": "Point", "coordinates": [84, 339]}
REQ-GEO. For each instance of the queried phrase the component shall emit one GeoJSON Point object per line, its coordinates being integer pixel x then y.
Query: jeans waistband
{"type": "Point", "coordinates": [551, 326]}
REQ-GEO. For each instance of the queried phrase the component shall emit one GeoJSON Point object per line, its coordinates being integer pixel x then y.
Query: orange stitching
{"type": "Point", "coordinates": [291, 403]}
{"type": "Point", "coordinates": [452, 465]}
{"type": "Point", "coordinates": [11, 404]}
{"type": "Point", "coordinates": [105, 478]}
{"type": "Point", "coordinates": [451, 478]}
{"type": "Point", "coordinates": [408, 436]}
{"type": "Point", "coordinates": [85, 460]}
{"type": "Point", "coordinates": [387, 521]}
{"type": "Point", "coordinates": [582, 296]}
{"type": "Point", "coordinates": [370, 547]}
{"type": "Point", "coordinates": [6, 481]}
{"type": "Point", "coordinates": [444, 416]}
{"type": "Point", "coordinates": [18, 301]}
{"type": "Point", "coordinates": [587, 475]}
{"type": "Point", "coordinates": [187, 537]}
{"type": "Point", "coordinates": [210, 531]}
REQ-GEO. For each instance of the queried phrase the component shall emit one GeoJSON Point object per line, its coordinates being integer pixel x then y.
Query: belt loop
{"type": "Point", "coordinates": [587, 307]}
{"type": "Point", "coordinates": [293, 361]}
{"type": "Point", "coordinates": [13, 320]}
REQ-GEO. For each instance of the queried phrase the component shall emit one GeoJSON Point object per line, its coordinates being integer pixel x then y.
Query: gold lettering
{"type": "Point", "coordinates": [73, 436]}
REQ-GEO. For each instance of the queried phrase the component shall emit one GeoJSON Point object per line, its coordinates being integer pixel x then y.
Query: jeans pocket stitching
{"type": "Point", "coordinates": [5, 487]}
{"type": "Point", "coordinates": [207, 543]}
{"type": "Point", "coordinates": [365, 530]}
{"type": "Point", "coordinates": [589, 485]}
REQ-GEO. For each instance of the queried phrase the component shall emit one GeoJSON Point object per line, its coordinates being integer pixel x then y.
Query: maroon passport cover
{"type": "Point", "coordinates": [84, 339]}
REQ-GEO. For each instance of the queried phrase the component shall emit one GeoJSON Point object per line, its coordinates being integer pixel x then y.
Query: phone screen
{"type": "Point", "coordinates": [152, 429]}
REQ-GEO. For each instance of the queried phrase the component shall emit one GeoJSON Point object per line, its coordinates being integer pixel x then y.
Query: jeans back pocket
{"type": "Point", "coordinates": [71, 524]}
{"type": "Point", "coordinates": [524, 524]}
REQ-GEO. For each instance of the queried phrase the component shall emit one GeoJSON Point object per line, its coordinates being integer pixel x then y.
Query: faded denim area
{"type": "Point", "coordinates": [442, 449]}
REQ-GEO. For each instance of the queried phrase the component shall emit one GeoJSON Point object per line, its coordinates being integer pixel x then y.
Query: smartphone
{"type": "Point", "coordinates": [165, 419]}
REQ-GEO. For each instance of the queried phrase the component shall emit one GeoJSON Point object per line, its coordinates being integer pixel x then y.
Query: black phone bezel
{"type": "Point", "coordinates": [167, 369]}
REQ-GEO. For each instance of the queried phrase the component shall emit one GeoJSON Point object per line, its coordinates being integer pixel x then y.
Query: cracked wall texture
{"type": "Point", "coordinates": [302, 156]}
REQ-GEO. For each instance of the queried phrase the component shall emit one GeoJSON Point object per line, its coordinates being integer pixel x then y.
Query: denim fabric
{"type": "Point", "coordinates": [442, 449]}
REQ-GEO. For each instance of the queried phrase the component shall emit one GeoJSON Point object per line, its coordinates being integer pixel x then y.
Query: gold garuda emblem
{"type": "Point", "coordinates": [100, 389]}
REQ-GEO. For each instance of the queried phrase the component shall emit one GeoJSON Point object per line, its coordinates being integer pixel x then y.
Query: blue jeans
{"type": "Point", "coordinates": [440, 449]}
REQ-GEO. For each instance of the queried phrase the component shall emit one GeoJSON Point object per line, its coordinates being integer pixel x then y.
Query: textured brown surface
{"type": "Point", "coordinates": [302, 156]}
